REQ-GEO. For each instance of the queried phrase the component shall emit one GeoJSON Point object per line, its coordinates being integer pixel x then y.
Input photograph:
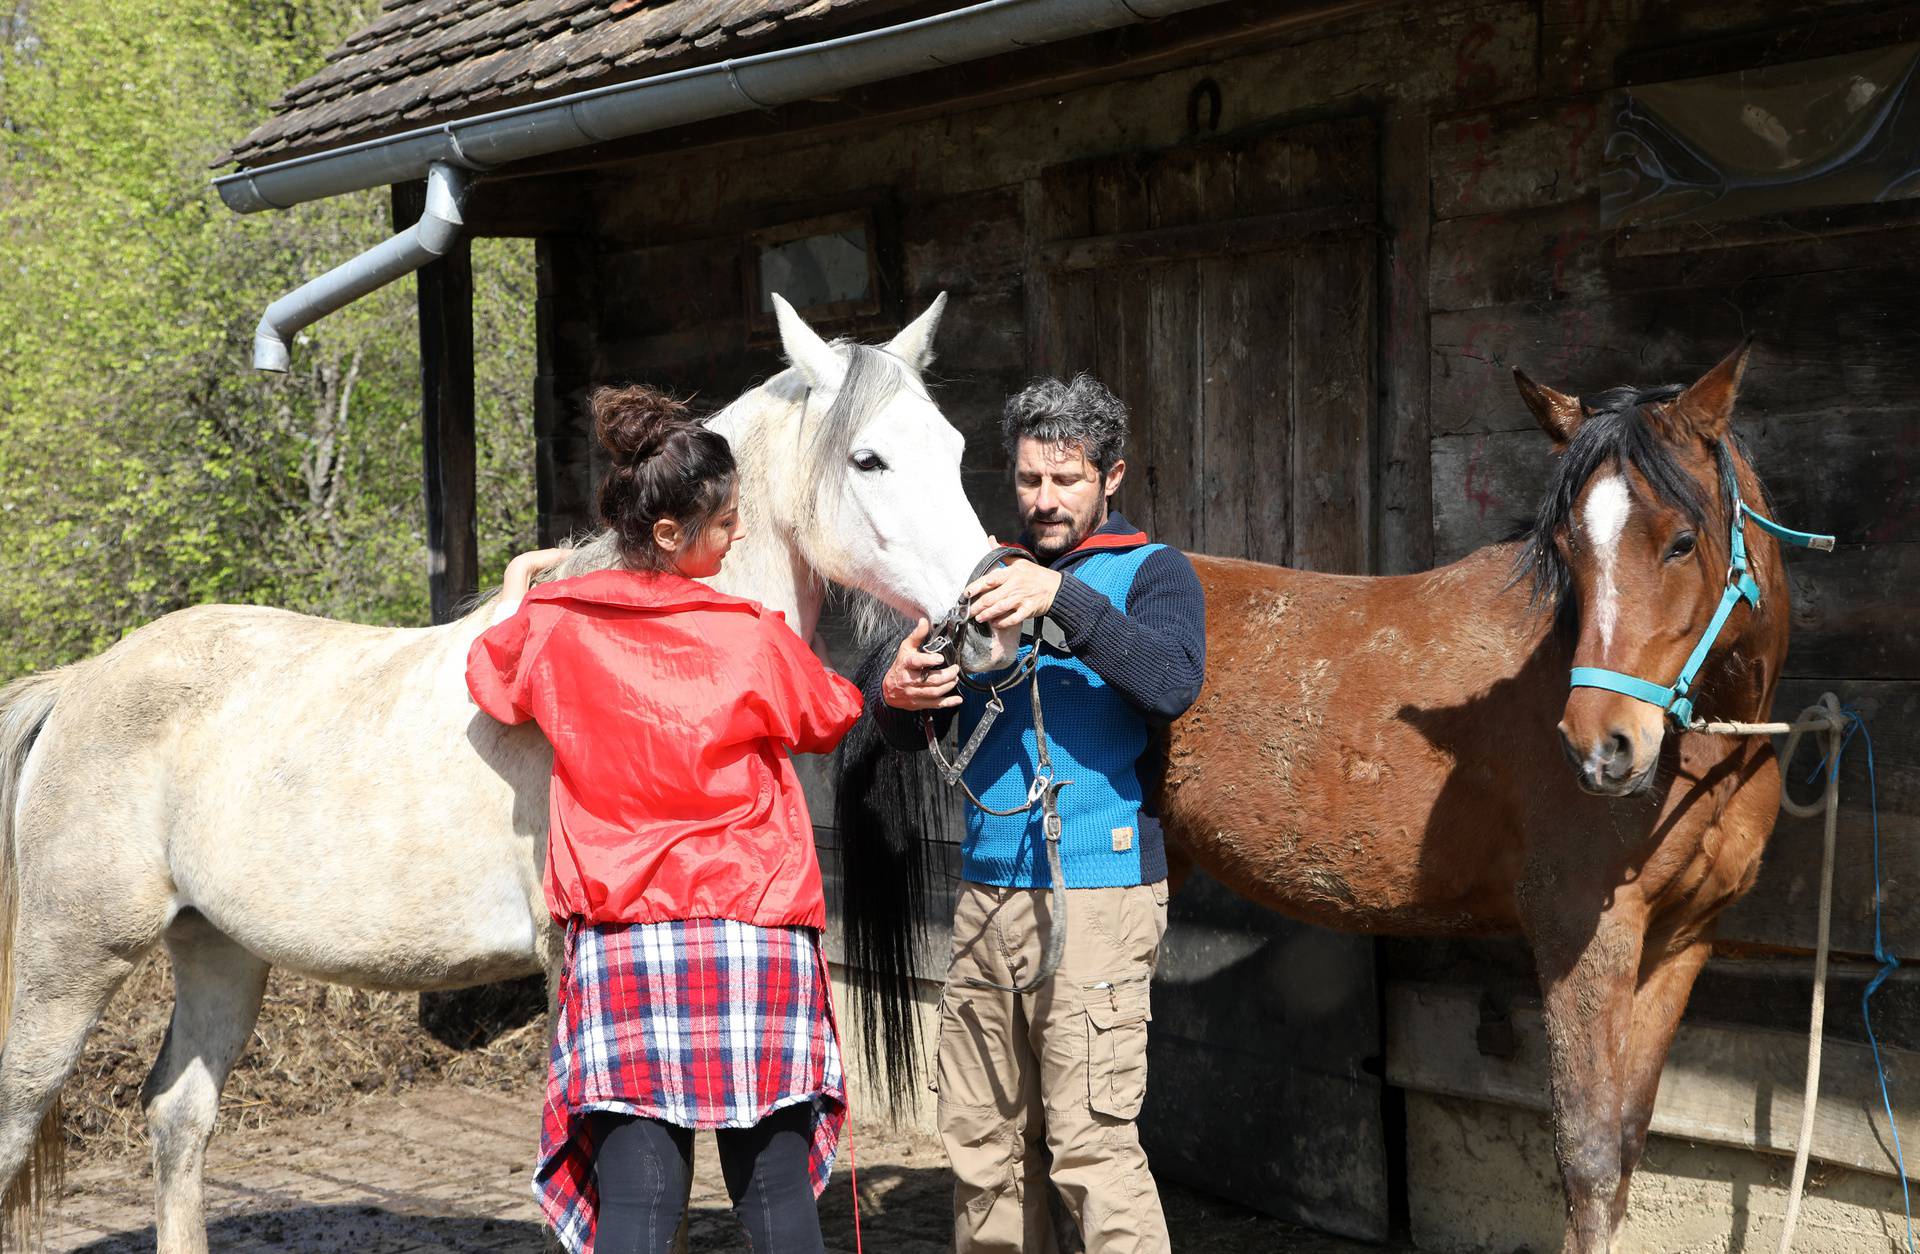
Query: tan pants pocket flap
{"type": "Point", "coordinates": [1117, 1049]}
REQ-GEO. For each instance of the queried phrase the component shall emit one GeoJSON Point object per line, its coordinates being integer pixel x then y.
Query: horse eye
{"type": "Point", "coordinates": [867, 459]}
{"type": "Point", "coordinates": [1681, 546]}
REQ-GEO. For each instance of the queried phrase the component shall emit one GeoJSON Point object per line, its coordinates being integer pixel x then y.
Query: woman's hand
{"type": "Point", "coordinates": [522, 569]}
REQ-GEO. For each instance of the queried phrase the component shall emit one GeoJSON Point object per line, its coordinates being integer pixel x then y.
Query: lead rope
{"type": "Point", "coordinates": [1825, 718]}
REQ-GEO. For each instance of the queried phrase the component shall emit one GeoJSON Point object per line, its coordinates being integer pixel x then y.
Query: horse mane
{"type": "Point", "coordinates": [890, 814]}
{"type": "Point", "coordinates": [1618, 430]}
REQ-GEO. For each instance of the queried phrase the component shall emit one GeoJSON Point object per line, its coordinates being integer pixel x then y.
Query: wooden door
{"type": "Point", "coordinates": [1226, 293]}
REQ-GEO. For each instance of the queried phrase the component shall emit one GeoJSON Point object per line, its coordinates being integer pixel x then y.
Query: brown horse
{"type": "Point", "coordinates": [1379, 755]}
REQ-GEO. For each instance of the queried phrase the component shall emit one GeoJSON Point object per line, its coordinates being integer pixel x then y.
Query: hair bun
{"type": "Point", "coordinates": [635, 422]}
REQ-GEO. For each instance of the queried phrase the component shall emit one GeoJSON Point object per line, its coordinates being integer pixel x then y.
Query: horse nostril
{"type": "Point", "coordinates": [1618, 756]}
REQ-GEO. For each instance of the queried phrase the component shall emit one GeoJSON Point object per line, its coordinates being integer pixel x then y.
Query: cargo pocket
{"type": "Point", "coordinates": [1117, 1048]}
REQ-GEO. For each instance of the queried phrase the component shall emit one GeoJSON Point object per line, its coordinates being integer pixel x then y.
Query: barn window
{"type": "Point", "coordinates": [1830, 131]}
{"type": "Point", "coordinates": [825, 267]}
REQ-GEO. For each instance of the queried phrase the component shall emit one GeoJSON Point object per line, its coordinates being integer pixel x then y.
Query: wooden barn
{"type": "Point", "coordinates": [1307, 243]}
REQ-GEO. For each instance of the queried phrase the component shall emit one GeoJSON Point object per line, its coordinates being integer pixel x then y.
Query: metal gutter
{"type": "Point", "coordinates": [761, 81]}
{"type": "Point", "coordinates": [436, 231]}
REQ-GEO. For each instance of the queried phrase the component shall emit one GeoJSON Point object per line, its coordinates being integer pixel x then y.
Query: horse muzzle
{"type": "Point", "coordinates": [960, 641]}
{"type": "Point", "coordinates": [1611, 764]}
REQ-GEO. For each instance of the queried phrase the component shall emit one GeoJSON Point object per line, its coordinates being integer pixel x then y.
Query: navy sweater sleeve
{"type": "Point", "coordinates": [1155, 654]}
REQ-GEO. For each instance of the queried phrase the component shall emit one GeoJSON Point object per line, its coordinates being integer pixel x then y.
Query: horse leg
{"type": "Point", "coordinates": [217, 990]}
{"type": "Point", "coordinates": [1667, 974]}
{"type": "Point", "coordinates": [60, 983]}
{"type": "Point", "coordinates": [1587, 984]}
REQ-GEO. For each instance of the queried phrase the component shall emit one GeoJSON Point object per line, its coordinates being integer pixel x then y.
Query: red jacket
{"type": "Point", "coordinates": [670, 708]}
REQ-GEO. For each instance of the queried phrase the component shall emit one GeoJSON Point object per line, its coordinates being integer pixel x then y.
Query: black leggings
{"type": "Point", "coordinates": [643, 1167]}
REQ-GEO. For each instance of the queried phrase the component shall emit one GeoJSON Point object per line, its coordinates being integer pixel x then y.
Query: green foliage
{"type": "Point", "coordinates": [144, 466]}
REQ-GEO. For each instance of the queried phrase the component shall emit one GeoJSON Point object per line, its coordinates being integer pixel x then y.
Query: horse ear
{"type": "Point", "coordinates": [1558, 414]}
{"type": "Point", "coordinates": [1707, 406]}
{"type": "Point", "coordinates": [806, 351]}
{"type": "Point", "coordinates": [914, 344]}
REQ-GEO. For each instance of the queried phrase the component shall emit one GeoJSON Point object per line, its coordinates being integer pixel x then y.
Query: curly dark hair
{"type": "Point", "coordinates": [665, 465]}
{"type": "Point", "coordinates": [1082, 414]}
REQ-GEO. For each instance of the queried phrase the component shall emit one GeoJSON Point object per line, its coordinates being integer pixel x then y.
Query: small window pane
{"type": "Point", "coordinates": [816, 270]}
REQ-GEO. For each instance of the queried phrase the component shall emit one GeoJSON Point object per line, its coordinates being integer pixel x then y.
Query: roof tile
{"type": "Point", "coordinates": [420, 61]}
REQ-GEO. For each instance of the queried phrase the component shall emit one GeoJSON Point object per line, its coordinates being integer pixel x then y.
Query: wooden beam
{"type": "Point", "coordinates": [1725, 1085]}
{"type": "Point", "coordinates": [446, 417]}
{"type": "Point", "coordinates": [1205, 239]}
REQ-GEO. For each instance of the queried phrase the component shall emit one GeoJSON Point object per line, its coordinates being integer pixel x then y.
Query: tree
{"type": "Point", "coordinates": [143, 465]}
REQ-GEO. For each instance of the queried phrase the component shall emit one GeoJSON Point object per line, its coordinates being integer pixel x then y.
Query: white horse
{"type": "Point", "coordinates": [258, 788]}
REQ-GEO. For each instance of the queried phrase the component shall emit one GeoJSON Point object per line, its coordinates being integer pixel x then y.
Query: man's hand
{"type": "Point", "coordinates": [919, 680]}
{"type": "Point", "coordinates": [1011, 594]}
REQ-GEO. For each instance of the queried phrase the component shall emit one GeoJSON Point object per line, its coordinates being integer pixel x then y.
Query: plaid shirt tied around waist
{"type": "Point", "coordinates": [701, 1023]}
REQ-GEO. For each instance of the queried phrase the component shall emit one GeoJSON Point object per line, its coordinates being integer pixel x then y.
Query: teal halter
{"type": "Point", "coordinates": [1677, 698]}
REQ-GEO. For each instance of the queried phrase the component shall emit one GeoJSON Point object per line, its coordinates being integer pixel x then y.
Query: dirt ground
{"type": "Point", "coordinates": [445, 1167]}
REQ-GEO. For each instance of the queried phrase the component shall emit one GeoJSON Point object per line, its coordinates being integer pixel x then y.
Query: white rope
{"type": "Point", "coordinates": [1824, 718]}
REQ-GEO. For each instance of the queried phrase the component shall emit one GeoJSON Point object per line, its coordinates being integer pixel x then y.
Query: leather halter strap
{"type": "Point", "coordinates": [1045, 789]}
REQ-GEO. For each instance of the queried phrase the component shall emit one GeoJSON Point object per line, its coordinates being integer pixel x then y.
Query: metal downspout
{"type": "Point", "coordinates": [447, 152]}
{"type": "Point", "coordinates": [439, 226]}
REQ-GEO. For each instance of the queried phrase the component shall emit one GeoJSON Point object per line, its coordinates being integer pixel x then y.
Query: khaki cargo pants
{"type": "Point", "coordinates": [1064, 1067]}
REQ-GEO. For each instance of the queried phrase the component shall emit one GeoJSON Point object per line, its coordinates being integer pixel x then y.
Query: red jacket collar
{"type": "Point", "coordinates": [1115, 533]}
{"type": "Point", "coordinates": [639, 590]}
{"type": "Point", "coordinates": [1109, 540]}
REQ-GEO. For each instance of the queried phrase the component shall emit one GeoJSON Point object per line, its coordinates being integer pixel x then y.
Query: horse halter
{"type": "Point", "coordinates": [1676, 699]}
{"type": "Point", "coordinates": [1044, 791]}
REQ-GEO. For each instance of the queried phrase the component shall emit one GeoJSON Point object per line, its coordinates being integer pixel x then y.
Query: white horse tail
{"type": "Point", "coordinates": [25, 705]}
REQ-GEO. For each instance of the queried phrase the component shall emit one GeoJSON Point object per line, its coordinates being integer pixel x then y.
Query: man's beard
{"type": "Point", "coordinates": [1061, 540]}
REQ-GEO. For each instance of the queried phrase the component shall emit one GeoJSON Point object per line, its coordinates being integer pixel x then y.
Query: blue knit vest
{"type": "Point", "coordinates": [1096, 738]}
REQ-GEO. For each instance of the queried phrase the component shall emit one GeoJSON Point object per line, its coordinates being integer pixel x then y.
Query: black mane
{"type": "Point", "coordinates": [1616, 431]}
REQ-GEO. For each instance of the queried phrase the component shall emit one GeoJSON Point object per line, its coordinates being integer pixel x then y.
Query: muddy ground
{"type": "Point", "coordinates": [446, 1167]}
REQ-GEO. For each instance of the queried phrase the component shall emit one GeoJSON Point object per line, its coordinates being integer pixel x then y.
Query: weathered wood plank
{"type": "Point", "coordinates": [1782, 908]}
{"type": "Point", "coordinates": [1403, 499]}
{"type": "Point", "coordinates": [1741, 38]}
{"type": "Point", "coordinates": [1583, 41]}
{"type": "Point", "coordinates": [1333, 419]}
{"type": "Point", "coordinates": [1170, 406]}
{"type": "Point", "coordinates": [1733, 1086]}
{"type": "Point", "coordinates": [962, 245]}
{"type": "Point", "coordinates": [1522, 157]}
{"type": "Point", "coordinates": [1563, 251]}
{"type": "Point", "coordinates": [1262, 1037]}
{"type": "Point", "coordinates": [1228, 413]}
{"type": "Point", "coordinates": [1205, 239]}
{"type": "Point", "coordinates": [1524, 256]}
{"type": "Point", "coordinates": [1849, 473]}
{"type": "Point", "coordinates": [1824, 341]}
{"type": "Point", "coordinates": [1267, 390]}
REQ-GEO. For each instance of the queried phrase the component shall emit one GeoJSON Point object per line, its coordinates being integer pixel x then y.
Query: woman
{"type": "Point", "coordinates": [680, 857]}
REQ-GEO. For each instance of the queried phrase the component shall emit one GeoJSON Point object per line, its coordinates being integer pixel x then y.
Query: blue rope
{"type": "Point", "coordinates": [1888, 963]}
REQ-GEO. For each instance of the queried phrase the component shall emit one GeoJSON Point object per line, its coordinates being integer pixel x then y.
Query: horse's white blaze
{"type": "Point", "coordinates": [1604, 519]}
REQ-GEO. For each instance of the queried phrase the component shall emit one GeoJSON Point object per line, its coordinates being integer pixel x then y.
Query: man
{"type": "Point", "coordinates": [1064, 1066]}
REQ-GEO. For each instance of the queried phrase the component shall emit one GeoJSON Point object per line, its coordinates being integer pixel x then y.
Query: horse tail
{"type": "Point", "coordinates": [25, 705]}
{"type": "Point", "coordinates": [889, 811]}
